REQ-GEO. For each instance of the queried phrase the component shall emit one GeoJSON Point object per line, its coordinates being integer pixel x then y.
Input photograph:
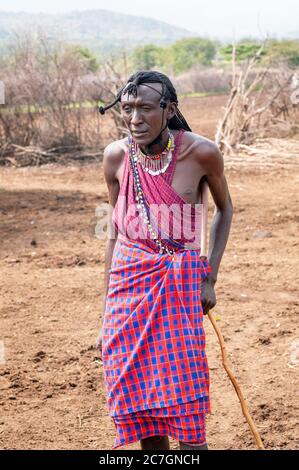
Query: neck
{"type": "Point", "coordinates": [158, 145]}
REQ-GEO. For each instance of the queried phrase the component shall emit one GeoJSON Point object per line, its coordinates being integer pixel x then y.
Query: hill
{"type": "Point", "coordinates": [100, 30]}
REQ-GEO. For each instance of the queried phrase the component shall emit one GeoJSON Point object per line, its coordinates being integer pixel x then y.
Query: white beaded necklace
{"type": "Point", "coordinates": [155, 164]}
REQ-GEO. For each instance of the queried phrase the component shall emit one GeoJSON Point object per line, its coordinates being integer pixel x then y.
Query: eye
{"type": "Point", "coordinates": [127, 109]}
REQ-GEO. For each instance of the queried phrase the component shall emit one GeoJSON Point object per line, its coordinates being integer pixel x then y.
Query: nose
{"type": "Point", "coordinates": [136, 117]}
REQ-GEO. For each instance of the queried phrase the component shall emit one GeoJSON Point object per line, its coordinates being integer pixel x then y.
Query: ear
{"type": "Point", "coordinates": [171, 110]}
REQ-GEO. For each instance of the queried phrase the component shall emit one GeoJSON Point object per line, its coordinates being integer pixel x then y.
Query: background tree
{"type": "Point", "coordinates": [284, 51]}
{"type": "Point", "coordinates": [188, 52]}
{"type": "Point", "coordinates": [244, 50]}
{"type": "Point", "coordinates": [147, 57]}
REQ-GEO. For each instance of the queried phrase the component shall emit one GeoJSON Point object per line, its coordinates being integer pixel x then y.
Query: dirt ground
{"type": "Point", "coordinates": [52, 266]}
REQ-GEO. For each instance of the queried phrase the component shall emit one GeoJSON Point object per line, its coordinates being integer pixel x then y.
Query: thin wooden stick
{"type": "Point", "coordinates": [244, 407]}
{"type": "Point", "coordinates": [237, 388]}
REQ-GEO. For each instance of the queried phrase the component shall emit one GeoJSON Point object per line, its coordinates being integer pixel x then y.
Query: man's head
{"type": "Point", "coordinates": [149, 103]}
{"type": "Point", "coordinates": [146, 111]}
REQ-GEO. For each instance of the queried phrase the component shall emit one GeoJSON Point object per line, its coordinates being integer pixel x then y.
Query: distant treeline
{"type": "Point", "coordinates": [185, 53]}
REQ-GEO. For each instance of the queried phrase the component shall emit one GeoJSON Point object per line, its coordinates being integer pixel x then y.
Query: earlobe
{"type": "Point", "coordinates": [171, 112]}
{"type": "Point", "coordinates": [170, 115]}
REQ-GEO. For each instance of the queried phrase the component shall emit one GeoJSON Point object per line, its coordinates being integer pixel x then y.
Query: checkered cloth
{"type": "Point", "coordinates": [154, 362]}
{"type": "Point", "coordinates": [189, 428]}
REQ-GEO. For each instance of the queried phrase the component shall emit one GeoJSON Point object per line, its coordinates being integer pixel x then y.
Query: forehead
{"type": "Point", "coordinates": [144, 93]}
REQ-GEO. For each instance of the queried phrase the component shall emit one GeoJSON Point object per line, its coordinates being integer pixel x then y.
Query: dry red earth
{"type": "Point", "coordinates": [52, 391]}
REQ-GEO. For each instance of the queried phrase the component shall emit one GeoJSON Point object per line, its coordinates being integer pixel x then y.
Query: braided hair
{"type": "Point", "coordinates": [168, 94]}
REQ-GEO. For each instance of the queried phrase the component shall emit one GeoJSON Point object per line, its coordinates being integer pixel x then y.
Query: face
{"type": "Point", "coordinates": [143, 115]}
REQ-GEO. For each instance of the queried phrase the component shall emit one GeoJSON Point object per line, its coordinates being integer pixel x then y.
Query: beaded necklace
{"type": "Point", "coordinates": [155, 164]}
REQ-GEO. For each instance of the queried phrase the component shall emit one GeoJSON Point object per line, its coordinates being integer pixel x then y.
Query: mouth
{"type": "Point", "coordinates": [139, 133]}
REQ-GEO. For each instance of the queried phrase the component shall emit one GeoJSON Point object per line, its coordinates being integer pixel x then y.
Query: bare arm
{"type": "Point", "coordinates": [212, 162]}
{"type": "Point", "coordinates": [221, 222]}
{"type": "Point", "coordinates": [113, 155]}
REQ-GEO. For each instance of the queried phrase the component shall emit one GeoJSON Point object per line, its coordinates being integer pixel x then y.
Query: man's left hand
{"type": "Point", "coordinates": [208, 296]}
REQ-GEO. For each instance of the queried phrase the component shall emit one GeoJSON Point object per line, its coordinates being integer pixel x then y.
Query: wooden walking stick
{"type": "Point", "coordinates": [204, 230]}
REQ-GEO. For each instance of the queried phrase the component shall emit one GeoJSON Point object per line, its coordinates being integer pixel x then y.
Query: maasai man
{"type": "Point", "coordinates": [157, 286]}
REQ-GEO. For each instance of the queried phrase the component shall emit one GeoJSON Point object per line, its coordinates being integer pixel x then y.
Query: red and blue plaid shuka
{"type": "Point", "coordinates": [153, 341]}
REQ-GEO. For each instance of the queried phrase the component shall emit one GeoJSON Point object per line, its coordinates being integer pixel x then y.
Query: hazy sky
{"type": "Point", "coordinates": [206, 17]}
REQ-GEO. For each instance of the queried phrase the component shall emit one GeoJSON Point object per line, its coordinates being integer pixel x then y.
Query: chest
{"type": "Point", "coordinates": [186, 179]}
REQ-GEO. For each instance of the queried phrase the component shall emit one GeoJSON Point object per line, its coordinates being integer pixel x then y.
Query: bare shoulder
{"type": "Point", "coordinates": [206, 152]}
{"type": "Point", "coordinates": [113, 157]}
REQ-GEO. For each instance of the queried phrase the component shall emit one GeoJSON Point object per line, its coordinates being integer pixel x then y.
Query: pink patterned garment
{"type": "Point", "coordinates": [154, 362]}
{"type": "Point", "coordinates": [181, 223]}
